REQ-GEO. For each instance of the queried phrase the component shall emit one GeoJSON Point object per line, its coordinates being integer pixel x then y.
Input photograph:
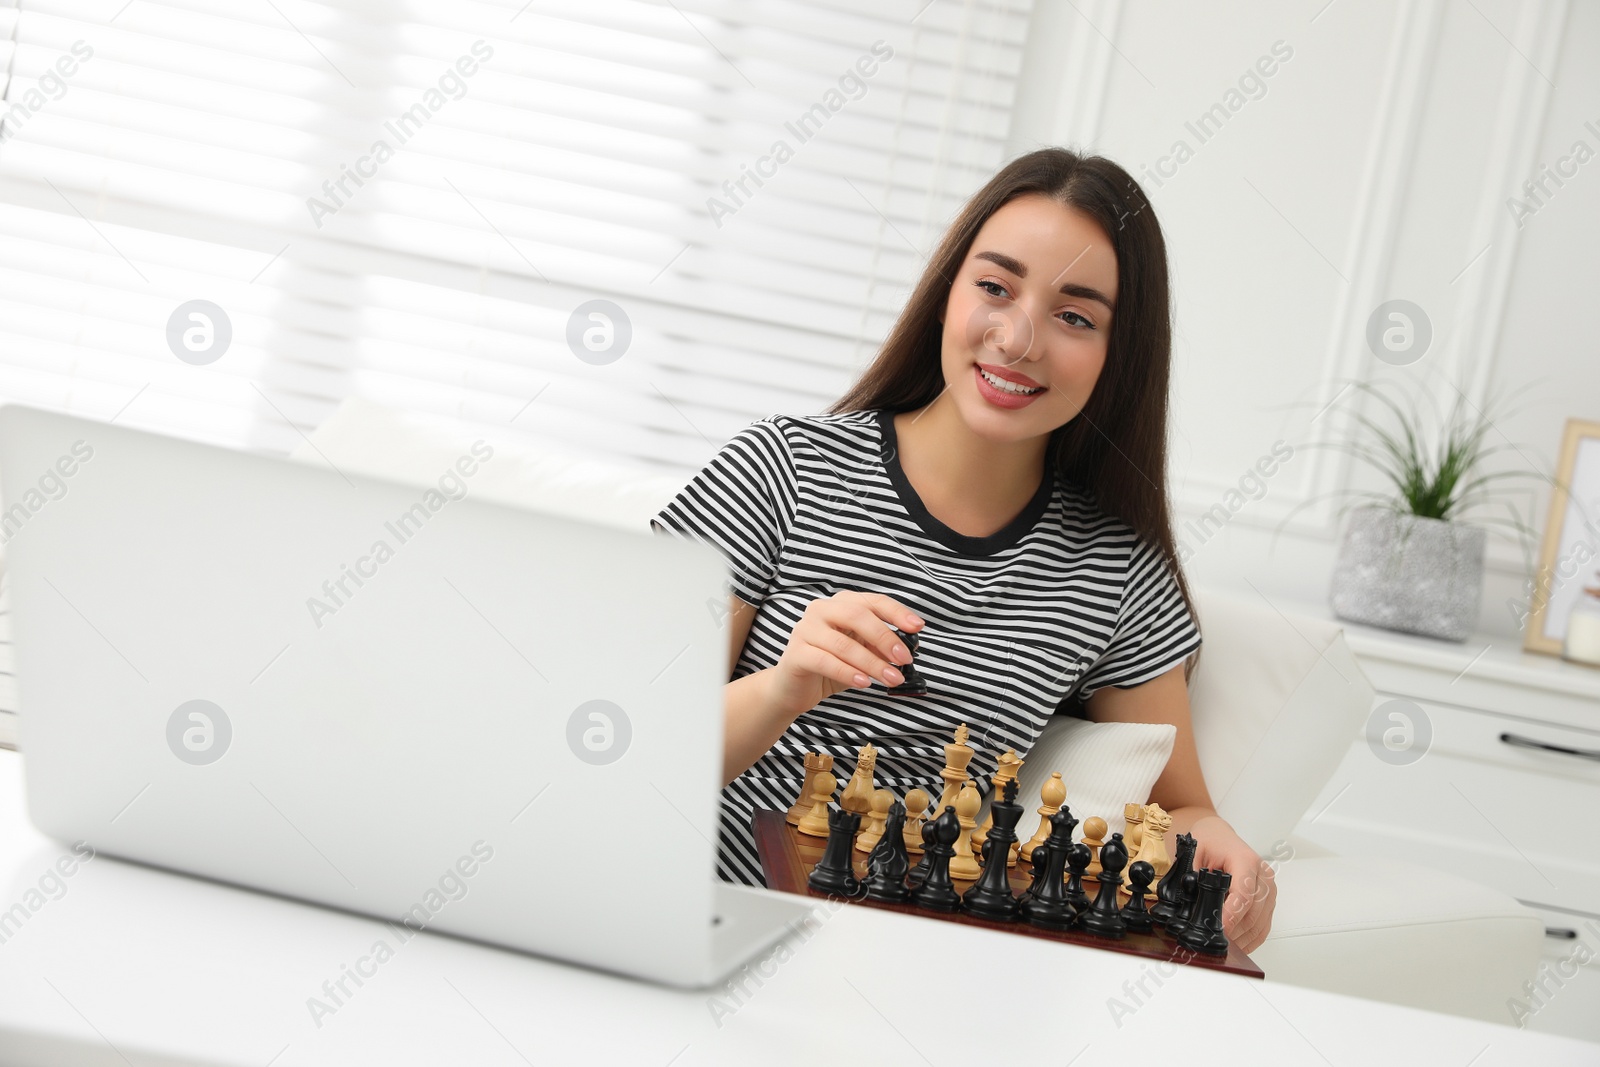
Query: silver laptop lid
{"type": "Point", "coordinates": [404, 702]}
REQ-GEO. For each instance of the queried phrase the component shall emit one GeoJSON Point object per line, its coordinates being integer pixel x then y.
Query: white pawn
{"type": "Point", "coordinates": [916, 812]}
{"type": "Point", "coordinates": [815, 823]}
{"type": "Point", "coordinates": [882, 801]}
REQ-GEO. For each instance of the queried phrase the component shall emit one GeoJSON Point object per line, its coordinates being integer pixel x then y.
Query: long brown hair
{"type": "Point", "coordinates": [1116, 448]}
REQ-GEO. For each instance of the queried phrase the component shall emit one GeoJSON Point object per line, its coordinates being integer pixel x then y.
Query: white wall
{"type": "Point", "coordinates": [1375, 164]}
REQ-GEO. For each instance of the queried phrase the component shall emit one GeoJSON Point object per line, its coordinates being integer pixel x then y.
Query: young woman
{"type": "Point", "coordinates": [996, 483]}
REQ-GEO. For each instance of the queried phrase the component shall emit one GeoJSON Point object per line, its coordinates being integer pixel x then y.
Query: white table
{"type": "Point", "coordinates": [133, 965]}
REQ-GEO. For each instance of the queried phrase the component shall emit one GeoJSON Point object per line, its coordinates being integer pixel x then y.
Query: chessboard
{"type": "Point", "coordinates": [788, 856]}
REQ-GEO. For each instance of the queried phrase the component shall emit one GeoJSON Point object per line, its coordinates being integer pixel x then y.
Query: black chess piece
{"type": "Point", "coordinates": [1188, 891]}
{"type": "Point", "coordinates": [889, 860]}
{"type": "Point", "coordinates": [1035, 875]}
{"type": "Point", "coordinates": [1169, 893]}
{"type": "Point", "coordinates": [990, 897]}
{"type": "Point", "coordinates": [1204, 930]}
{"type": "Point", "coordinates": [1102, 918]}
{"type": "Point", "coordinates": [914, 685]}
{"type": "Point", "coordinates": [835, 872]}
{"type": "Point", "coordinates": [919, 873]}
{"type": "Point", "coordinates": [1046, 903]}
{"type": "Point", "coordinates": [1060, 818]}
{"type": "Point", "coordinates": [1134, 915]}
{"type": "Point", "coordinates": [935, 892]}
{"type": "Point", "coordinates": [1078, 858]}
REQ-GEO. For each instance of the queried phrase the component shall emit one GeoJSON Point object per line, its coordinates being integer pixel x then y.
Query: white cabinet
{"type": "Point", "coordinates": [1484, 762]}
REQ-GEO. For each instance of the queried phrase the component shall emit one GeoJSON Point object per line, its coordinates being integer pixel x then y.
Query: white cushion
{"type": "Point", "coordinates": [1104, 765]}
{"type": "Point", "coordinates": [1276, 702]}
{"type": "Point", "coordinates": [366, 438]}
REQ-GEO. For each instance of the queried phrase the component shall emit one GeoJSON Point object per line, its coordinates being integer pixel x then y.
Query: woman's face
{"type": "Point", "coordinates": [1032, 304]}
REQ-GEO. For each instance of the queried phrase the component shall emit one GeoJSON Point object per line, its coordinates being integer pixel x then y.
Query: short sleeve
{"type": "Point", "coordinates": [1155, 631]}
{"type": "Point", "coordinates": [740, 503]}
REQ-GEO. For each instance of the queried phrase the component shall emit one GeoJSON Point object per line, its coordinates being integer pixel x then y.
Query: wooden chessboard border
{"type": "Point", "coordinates": [780, 848]}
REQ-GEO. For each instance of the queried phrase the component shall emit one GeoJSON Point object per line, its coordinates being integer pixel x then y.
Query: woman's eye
{"type": "Point", "coordinates": [992, 288]}
{"type": "Point", "coordinates": [1082, 323]}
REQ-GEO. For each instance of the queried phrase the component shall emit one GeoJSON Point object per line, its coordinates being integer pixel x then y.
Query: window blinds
{"type": "Point", "coordinates": [408, 200]}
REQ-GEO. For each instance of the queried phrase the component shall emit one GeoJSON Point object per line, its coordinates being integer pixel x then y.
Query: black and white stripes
{"type": "Point", "coordinates": [1061, 601]}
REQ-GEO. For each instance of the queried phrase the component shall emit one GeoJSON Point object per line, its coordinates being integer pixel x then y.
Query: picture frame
{"type": "Point", "coordinates": [1570, 551]}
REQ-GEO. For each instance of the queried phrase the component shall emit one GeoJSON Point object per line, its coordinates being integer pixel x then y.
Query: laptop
{"type": "Point", "coordinates": [396, 700]}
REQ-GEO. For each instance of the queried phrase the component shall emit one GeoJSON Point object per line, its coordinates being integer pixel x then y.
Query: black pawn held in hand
{"type": "Point", "coordinates": [1102, 918]}
{"type": "Point", "coordinates": [1204, 931]}
{"type": "Point", "coordinates": [939, 846]}
{"type": "Point", "coordinates": [1046, 903]}
{"type": "Point", "coordinates": [890, 860]}
{"type": "Point", "coordinates": [1169, 893]}
{"type": "Point", "coordinates": [1134, 915]}
{"type": "Point", "coordinates": [990, 896]}
{"type": "Point", "coordinates": [913, 685]}
{"type": "Point", "coordinates": [835, 872]}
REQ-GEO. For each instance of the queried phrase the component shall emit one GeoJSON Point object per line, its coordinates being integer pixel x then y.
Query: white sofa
{"type": "Point", "coordinates": [1276, 701]}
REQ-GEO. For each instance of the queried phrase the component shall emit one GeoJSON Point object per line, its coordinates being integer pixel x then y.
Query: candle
{"type": "Point", "coordinates": [1582, 643]}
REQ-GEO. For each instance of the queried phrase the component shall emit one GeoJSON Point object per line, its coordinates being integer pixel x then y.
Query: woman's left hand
{"type": "Point", "coordinates": [1253, 892]}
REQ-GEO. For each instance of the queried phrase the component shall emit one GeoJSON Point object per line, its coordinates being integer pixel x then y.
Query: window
{"type": "Point", "coordinates": [408, 201]}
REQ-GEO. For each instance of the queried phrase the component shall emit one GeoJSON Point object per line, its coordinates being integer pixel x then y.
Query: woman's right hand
{"type": "Point", "coordinates": [837, 644]}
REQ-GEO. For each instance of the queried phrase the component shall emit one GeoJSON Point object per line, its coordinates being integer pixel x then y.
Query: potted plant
{"type": "Point", "coordinates": [1411, 558]}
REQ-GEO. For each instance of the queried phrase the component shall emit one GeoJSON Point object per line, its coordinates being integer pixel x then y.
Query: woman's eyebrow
{"type": "Point", "coordinates": [1020, 269]}
{"type": "Point", "coordinates": [1010, 263]}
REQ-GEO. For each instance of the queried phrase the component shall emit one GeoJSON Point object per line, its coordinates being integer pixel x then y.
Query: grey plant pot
{"type": "Point", "coordinates": [1405, 573]}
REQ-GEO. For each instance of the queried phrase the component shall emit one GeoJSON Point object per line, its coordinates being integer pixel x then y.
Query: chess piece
{"type": "Point", "coordinates": [1132, 832]}
{"type": "Point", "coordinates": [991, 897]}
{"type": "Point", "coordinates": [835, 872]}
{"type": "Point", "coordinates": [1204, 930]}
{"type": "Point", "coordinates": [1094, 835]}
{"type": "Point", "coordinates": [1188, 890]}
{"type": "Point", "coordinates": [1102, 918]}
{"type": "Point", "coordinates": [1169, 893]}
{"type": "Point", "coordinates": [1006, 769]}
{"type": "Point", "coordinates": [956, 758]}
{"type": "Point", "coordinates": [1153, 849]}
{"type": "Point", "coordinates": [876, 820]}
{"type": "Point", "coordinates": [1077, 863]}
{"type": "Point", "coordinates": [888, 863]}
{"type": "Point", "coordinates": [913, 685]}
{"type": "Point", "coordinates": [916, 814]}
{"type": "Point", "coordinates": [1134, 915]}
{"type": "Point", "coordinates": [816, 763]}
{"type": "Point", "coordinates": [963, 865]}
{"type": "Point", "coordinates": [938, 838]}
{"type": "Point", "coordinates": [1064, 816]}
{"type": "Point", "coordinates": [815, 822]}
{"type": "Point", "coordinates": [1053, 795]}
{"type": "Point", "coordinates": [857, 795]}
{"type": "Point", "coordinates": [920, 872]}
{"type": "Point", "coordinates": [1046, 903]}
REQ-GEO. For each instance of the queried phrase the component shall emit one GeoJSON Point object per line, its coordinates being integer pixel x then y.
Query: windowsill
{"type": "Point", "coordinates": [1487, 657]}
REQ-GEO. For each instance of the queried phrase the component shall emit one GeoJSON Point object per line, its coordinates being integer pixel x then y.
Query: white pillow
{"type": "Point", "coordinates": [1105, 765]}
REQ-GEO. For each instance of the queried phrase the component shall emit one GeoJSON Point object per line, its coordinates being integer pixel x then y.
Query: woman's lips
{"type": "Point", "coordinates": [1016, 377]}
{"type": "Point", "coordinates": [998, 398]}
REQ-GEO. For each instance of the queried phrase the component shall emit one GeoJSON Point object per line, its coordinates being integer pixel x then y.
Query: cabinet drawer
{"type": "Point", "coordinates": [1462, 799]}
{"type": "Point", "coordinates": [1521, 745]}
{"type": "Point", "coordinates": [1566, 989]}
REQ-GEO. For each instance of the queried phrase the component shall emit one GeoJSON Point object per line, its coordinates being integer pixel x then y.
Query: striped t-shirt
{"type": "Point", "coordinates": [1060, 602]}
